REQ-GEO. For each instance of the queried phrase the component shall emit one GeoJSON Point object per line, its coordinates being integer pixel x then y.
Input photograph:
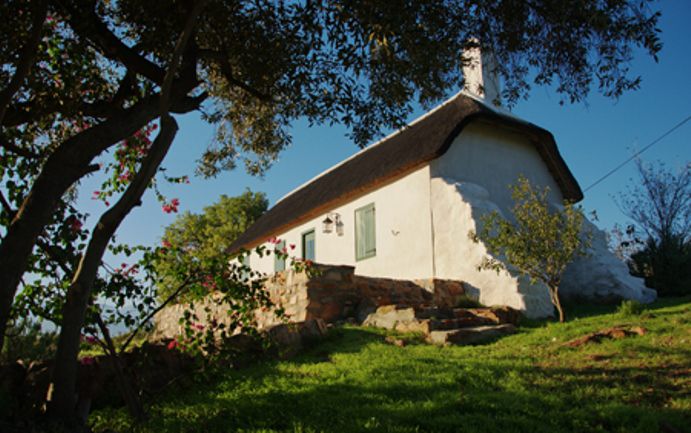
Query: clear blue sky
{"type": "Point", "coordinates": [593, 138]}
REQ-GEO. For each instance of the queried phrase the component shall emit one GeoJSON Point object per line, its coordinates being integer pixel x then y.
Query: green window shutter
{"type": "Point", "coordinates": [246, 262]}
{"type": "Point", "coordinates": [365, 232]}
{"type": "Point", "coordinates": [279, 262]}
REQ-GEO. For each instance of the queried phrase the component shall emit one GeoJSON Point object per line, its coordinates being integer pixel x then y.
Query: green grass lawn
{"type": "Point", "coordinates": [528, 382]}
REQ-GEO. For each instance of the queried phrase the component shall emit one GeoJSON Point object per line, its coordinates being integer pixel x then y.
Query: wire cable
{"type": "Point", "coordinates": [648, 146]}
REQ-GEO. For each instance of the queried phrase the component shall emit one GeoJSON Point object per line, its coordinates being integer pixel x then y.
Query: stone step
{"type": "Point", "coordinates": [471, 335]}
{"type": "Point", "coordinates": [426, 326]}
{"type": "Point", "coordinates": [432, 312]}
{"type": "Point", "coordinates": [498, 314]}
{"type": "Point", "coordinates": [445, 325]}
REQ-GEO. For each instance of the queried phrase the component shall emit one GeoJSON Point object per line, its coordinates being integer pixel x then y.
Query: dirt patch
{"type": "Point", "coordinates": [615, 332]}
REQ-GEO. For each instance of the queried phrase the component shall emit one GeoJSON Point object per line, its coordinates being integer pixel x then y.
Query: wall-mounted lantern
{"type": "Point", "coordinates": [327, 224]}
{"type": "Point", "coordinates": [332, 220]}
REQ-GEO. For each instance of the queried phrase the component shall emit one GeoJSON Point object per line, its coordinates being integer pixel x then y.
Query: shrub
{"type": "Point", "coordinates": [27, 341]}
{"type": "Point", "coordinates": [630, 308]}
{"type": "Point", "coordinates": [465, 301]}
{"type": "Point", "coordinates": [540, 240]}
{"type": "Point", "coordinates": [665, 265]}
{"type": "Point", "coordinates": [658, 247]}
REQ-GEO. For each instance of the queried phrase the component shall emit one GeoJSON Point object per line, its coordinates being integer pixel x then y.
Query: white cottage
{"type": "Point", "coordinates": [403, 207]}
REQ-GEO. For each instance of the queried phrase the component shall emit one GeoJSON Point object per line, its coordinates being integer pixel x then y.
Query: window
{"type": "Point", "coordinates": [308, 245]}
{"type": "Point", "coordinates": [280, 262]}
{"type": "Point", "coordinates": [365, 234]}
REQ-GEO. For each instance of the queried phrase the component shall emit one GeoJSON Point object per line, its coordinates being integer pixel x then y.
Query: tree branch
{"type": "Point", "coordinates": [180, 47]}
{"type": "Point", "coordinates": [222, 62]}
{"type": "Point", "coordinates": [149, 316]}
{"type": "Point", "coordinates": [7, 205]}
{"type": "Point", "coordinates": [132, 401]}
{"type": "Point", "coordinates": [21, 113]}
{"type": "Point", "coordinates": [88, 25]}
{"type": "Point", "coordinates": [20, 151]}
{"type": "Point", "coordinates": [26, 58]}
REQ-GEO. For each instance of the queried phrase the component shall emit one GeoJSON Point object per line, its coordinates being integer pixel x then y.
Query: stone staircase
{"type": "Point", "coordinates": [446, 326]}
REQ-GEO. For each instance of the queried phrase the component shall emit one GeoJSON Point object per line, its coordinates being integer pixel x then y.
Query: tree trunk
{"type": "Point", "coordinates": [70, 162]}
{"type": "Point", "coordinates": [554, 294]}
{"type": "Point", "coordinates": [62, 400]}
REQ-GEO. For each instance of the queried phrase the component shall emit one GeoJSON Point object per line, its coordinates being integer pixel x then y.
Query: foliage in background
{"type": "Point", "coordinates": [196, 238]}
{"type": "Point", "coordinates": [27, 342]}
{"type": "Point", "coordinates": [538, 240]}
{"type": "Point", "coordinates": [665, 266]}
{"type": "Point", "coordinates": [658, 247]}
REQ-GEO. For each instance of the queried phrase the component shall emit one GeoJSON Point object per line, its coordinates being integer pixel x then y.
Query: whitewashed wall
{"type": "Point", "coordinates": [469, 180]}
{"type": "Point", "coordinates": [403, 232]}
{"type": "Point", "coordinates": [494, 158]}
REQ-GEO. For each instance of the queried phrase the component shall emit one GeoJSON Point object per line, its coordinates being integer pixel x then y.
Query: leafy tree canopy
{"type": "Point", "coordinates": [206, 237]}
{"type": "Point", "coordinates": [658, 246]}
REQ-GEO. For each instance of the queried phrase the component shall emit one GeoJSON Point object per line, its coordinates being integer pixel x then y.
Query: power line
{"type": "Point", "coordinates": [648, 146]}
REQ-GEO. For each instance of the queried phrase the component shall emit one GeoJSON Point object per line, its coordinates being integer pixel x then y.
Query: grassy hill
{"type": "Point", "coordinates": [529, 382]}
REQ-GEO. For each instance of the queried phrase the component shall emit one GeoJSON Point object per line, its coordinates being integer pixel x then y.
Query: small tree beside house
{"type": "Point", "coordinates": [539, 242]}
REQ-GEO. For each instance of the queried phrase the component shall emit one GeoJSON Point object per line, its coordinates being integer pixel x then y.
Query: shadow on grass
{"type": "Point", "coordinates": [421, 389]}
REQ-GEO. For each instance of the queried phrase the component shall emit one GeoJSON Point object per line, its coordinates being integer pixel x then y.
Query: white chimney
{"type": "Point", "coordinates": [481, 78]}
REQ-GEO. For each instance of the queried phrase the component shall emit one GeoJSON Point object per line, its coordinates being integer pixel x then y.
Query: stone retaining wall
{"type": "Point", "coordinates": [334, 293]}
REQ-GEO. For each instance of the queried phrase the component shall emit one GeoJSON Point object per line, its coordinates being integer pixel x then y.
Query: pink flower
{"type": "Point", "coordinates": [172, 345]}
{"type": "Point", "coordinates": [292, 246]}
{"type": "Point", "coordinates": [166, 243]}
{"type": "Point", "coordinates": [209, 284]}
{"type": "Point", "coordinates": [172, 206]}
{"type": "Point", "coordinates": [87, 360]}
{"type": "Point", "coordinates": [96, 194]}
{"type": "Point", "coordinates": [75, 224]}
{"type": "Point", "coordinates": [125, 177]}
{"type": "Point", "coordinates": [90, 339]}
{"type": "Point", "coordinates": [133, 270]}
{"type": "Point", "coordinates": [198, 326]}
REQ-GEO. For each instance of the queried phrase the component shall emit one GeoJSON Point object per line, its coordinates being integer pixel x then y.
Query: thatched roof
{"type": "Point", "coordinates": [401, 153]}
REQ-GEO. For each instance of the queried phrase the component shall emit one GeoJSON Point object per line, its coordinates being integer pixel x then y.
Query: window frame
{"type": "Point", "coordinates": [302, 241]}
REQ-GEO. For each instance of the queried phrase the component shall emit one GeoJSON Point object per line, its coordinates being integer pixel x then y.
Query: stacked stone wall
{"type": "Point", "coordinates": [332, 293]}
